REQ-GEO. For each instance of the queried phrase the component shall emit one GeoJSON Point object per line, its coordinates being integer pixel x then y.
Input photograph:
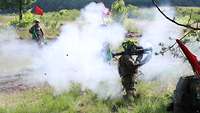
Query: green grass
{"type": "Point", "coordinates": [152, 99]}
{"type": "Point", "coordinates": [43, 100]}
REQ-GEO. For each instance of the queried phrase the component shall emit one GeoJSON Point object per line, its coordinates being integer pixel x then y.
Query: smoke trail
{"type": "Point", "coordinates": [164, 68]}
{"type": "Point", "coordinates": [76, 55]}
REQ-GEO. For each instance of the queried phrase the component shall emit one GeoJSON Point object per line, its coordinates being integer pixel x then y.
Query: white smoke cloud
{"type": "Point", "coordinates": [15, 55]}
{"type": "Point", "coordinates": [164, 68]}
{"type": "Point", "coordinates": [76, 56]}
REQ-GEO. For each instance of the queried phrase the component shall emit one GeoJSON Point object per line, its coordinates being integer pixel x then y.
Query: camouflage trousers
{"type": "Point", "coordinates": [127, 70]}
{"type": "Point", "coordinates": [128, 83]}
{"type": "Point", "coordinates": [39, 39]}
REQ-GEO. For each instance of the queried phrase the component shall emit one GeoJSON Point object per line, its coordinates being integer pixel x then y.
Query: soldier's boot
{"type": "Point", "coordinates": [130, 95]}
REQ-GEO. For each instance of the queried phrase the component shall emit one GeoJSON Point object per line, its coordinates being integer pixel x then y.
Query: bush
{"type": "Point", "coordinates": [54, 20]}
{"type": "Point", "coordinates": [27, 20]}
{"type": "Point", "coordinates": [119, 10]}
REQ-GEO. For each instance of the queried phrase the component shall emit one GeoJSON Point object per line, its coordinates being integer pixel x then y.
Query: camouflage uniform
{"type": "Point", "coordinates": [128, 70]}
{"type": "Point", "coordinates": [128, 66]}
{"type": "Point", "coordinates": [37, 33]}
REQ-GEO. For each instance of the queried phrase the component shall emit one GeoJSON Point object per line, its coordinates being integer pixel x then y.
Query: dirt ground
{"type": "Point", "coordinates": [13, 82]}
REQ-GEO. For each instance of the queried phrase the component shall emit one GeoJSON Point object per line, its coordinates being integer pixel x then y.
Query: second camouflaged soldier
{"type": "Point", "coordinates": [37, 32]}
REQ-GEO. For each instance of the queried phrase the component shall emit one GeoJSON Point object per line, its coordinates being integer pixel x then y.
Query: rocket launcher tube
{"type": "Point", "coordinates": [140, 51]}
{"type": "Point", "coordinates": [136, 52]}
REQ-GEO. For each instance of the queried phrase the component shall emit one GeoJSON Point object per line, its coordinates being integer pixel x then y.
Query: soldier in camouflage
{"type": "Point", "coordinates": [37, 33]}
{"type": "Point", "coordinates": [128, 66]}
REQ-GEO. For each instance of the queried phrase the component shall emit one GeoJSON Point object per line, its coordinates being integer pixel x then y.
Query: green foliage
{"type": "Point", "coordinates": [185, 12]}
{"type": "Point", "coordinates": [119, 7]}
{"type": "Point", "coordinates": [43, 100]}
{"type": "Point", "coordinates": [54, 20]}
{"type": "Point", "coordinates": [2, 110]}
{"type": "Point", "coordinates": [152, 99]}
{"type": "Point", "coordinates": [191, 16]}
{"type": "Point", "coordinates": [25, 22]}
{"type": "Point", "coordinates": [152, 105]}
{"type": "Point", "coordinates": [119, 10]}
{"type": "Point", "coordinates": [50, 22]}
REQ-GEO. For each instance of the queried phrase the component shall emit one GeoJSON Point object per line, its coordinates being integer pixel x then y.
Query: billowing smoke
{"type": "Point", "coordinates": [159, 32]}
{"type": "Point", "coordinates": [17, 59]}
{"type": "Point", "coordinates": [16, 55]}
{"type": "Point", "coordinates": [77, 56]}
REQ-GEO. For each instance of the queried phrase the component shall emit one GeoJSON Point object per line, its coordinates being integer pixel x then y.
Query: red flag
{"type": "Point", "coordinates": [191, 58]}
{"type": "Point", "coordinates": [38, 10]}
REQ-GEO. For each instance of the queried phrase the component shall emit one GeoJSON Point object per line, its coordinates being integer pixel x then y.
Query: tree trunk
{"type": "Point", "coordinates": [20, 10]}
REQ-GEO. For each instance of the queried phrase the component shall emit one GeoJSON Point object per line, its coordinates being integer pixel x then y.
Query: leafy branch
{"type": "Point", "coordinates": [172, 20]}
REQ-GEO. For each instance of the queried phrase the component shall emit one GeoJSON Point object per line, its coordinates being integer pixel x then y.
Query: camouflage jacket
{"type": "Point", "coordinates": [36, 32]}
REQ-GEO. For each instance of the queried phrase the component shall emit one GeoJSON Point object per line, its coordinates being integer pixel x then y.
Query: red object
{"type": "Point", "coordinates": [38, 10]}
{"type": "Point", "coordinates": [191, 58]}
